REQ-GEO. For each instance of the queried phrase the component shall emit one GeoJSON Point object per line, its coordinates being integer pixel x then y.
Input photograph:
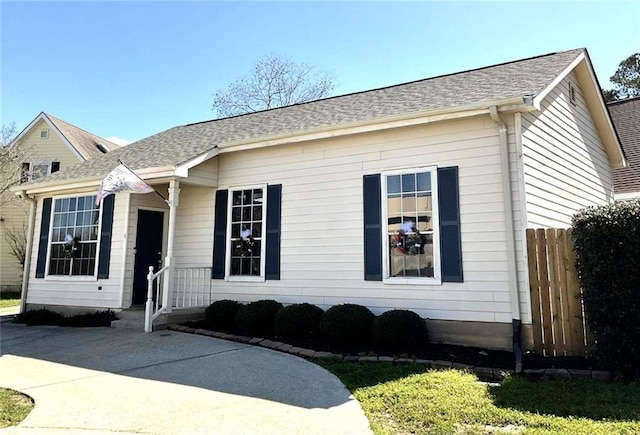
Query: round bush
{"type": "Point", "coordinates": [399, 330]}
{"type": "Point", "coordinates": [257, 317]}
{"type": "Point", "coordinates": [298, 321]}
{"type": "Point", "coordinates": [220, 315]}
{"type": "Point", "coordinates": [347, 323]}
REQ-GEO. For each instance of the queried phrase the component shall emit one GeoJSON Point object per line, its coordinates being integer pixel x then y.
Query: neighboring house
{"type": "Point", "coordinates": [49, 144]}
{"type": "Point", "coordinates": [415, 196]}
{"type": "Point", "coordinates": [626, 118]}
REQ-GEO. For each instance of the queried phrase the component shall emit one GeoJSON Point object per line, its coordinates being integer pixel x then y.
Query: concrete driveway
{"type": "Point", "coordinates": [107, 380]}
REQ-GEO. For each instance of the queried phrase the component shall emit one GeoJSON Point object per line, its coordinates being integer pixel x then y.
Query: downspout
{"type": "Point", "coordinates": [511, 243]}
{"type": "Point", "coordinates": [27, 255]}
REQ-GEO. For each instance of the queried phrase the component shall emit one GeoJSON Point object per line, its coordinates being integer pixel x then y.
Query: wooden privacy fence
{"type": "Point", "coordinates": [559, 327]}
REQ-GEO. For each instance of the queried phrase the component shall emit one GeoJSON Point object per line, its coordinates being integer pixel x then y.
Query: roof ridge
{"type": "Point", "coordinates": [626, 100]}
{"type": "Point", "coordinates": [389, 86]}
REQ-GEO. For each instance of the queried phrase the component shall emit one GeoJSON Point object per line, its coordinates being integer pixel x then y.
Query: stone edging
{"type": "Point", "coordinates": [487, 373]}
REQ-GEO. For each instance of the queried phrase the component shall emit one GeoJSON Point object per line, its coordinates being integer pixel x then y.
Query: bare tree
{"type": "Point", "coordinates": [16, 238]}
{"type": "Point", "coordinates": [12, 155]}
{"type": "Point", "coordinates": [275, 81]}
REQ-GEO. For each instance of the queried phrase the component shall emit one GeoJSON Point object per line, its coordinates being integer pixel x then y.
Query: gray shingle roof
{"type": "Point", "coordinates": [626, 118]}
{"type": "Point", "coordinates": [180, 144]}
{"type": "Point", "coordinates": [84, 142]}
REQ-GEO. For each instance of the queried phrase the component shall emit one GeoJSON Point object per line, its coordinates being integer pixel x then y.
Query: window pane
{"type": "Point", "coordinates": [425, 202]}
{"type": "Point", "coordinates": [72, 203]}
{"type": "Point", "coordinates": [236, 214]}
{"type": "Point", "coordinates": [237, 197]}
{"type": "Point", "coordinates": [393, 184]}
{"type": "Point", "coordinates": [257, 213]}
{"type": "Point", "coordinates": [257, 229]}
{"type": "Point", "coordinates": [424, 181]}
{"type": "Point", "coordinates": [246, 197]}
{"type": "Point", "coordinates": [246, 214]}
{"type": "Point", "coordinates": [235, 231]}
{"type": "Point", "coordinates": [425, 222]}
{"type": "Point", "coordinates": [394, 205]}
{"type": "Point", "coordinates": [235, 266]}
{"type": "Point", "coordinates": [408, 182]}
{"type": "Point", "coordinates": [408, 203]}
{"type": "Point", "coordinates": [257, 196]}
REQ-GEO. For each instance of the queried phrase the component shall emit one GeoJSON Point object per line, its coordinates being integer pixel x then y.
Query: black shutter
{"type": "Point", "coordinates": [220, 235]}
{"type": "Point", "coordinates": [24, 176]}
{"type": "Point", "coordinates": [44, 238]}
{"type": "Point", "coordinates": [55, 167]}
{"type": "Point", "coordinates": [272, 260]}
{"type": "Point", "coordinates": [449, 209]}
{"type": "Point", "coordinates": [372, 227]}
{"type": "Point", "coordinates": [105, 237]}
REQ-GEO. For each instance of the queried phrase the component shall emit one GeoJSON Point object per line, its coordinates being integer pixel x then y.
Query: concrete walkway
{"type": "Point", "coordinates": [107, 380]}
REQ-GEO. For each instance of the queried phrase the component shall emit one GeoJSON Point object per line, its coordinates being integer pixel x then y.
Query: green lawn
{"type": "Point", "coordinates": [9, 299]}
{"type": "Point", "coordinates": [406, 398]}
{"type": "Point", "coordinates": [14, 407]}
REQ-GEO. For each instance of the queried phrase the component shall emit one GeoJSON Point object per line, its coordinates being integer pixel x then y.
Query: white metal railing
{"type": "Point", "coordinates": [192, 287]}
{"type": "Point", "coordinates": [153, 307]}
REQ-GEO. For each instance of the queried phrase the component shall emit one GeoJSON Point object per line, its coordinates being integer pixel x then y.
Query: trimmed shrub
{"type": "Point", "coordinates": [298, 321]}
{"type": "Point", "coordinates": [399, 330]}
{"type": "Point", "coordinates": [90, 320]}
{"type": "Point", "coordinates": [257, 317]}
{"type": "Point", "coordinates": [607, 244]}
{"type": "Point", "coordinates": [40, 317]}
{"type": "Point", "coordinates": [47, 317]}
{"type": "Point", "coordinates": [220, 315]}
{"type": "Point", "coordinates": [347, 324]}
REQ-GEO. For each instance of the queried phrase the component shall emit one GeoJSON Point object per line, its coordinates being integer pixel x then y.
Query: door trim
{"type": "Point", "coordinates": [131, 243]}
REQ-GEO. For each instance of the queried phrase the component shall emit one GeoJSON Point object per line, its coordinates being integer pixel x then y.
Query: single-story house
{"type": "Point", "coordinates": [46, 145]}
{"type": "Point", "coordinates": [414, 196]}
{"type": "Point", "coordinates": [626, 119]}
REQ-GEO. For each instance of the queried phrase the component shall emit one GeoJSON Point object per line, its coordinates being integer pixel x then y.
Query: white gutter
{"type": "Point", "coordinates": [508, 211]}
{"type": "Point", "coordinates": [27, 255]}
{"type": "Point", "coordinates": [511, 243]}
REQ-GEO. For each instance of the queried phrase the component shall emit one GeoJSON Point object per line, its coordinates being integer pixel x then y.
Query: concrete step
{"type": "Point", "coordinates": [134, 319]}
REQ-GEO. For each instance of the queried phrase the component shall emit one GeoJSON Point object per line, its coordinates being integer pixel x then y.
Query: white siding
{"type": "Point", "coordinates": [565, 165]}
{"type": "Point", "coordinates": [322, 245]}
{"type": "Point", "coordinates": [80, 292]}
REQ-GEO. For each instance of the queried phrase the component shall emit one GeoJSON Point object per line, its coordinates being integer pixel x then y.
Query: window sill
{"type": "Point", "coordinates": [75, 278]}
{"type": "Point", "coordinates": [413, 281]}
{"type": "Point", "coordinates": [244, 278]}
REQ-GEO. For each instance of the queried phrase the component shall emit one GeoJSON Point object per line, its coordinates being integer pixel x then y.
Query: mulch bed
{"type": "Point", "coordinates": [472, 356]}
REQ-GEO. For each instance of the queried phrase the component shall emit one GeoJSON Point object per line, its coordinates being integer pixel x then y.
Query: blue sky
{"type": "Point", "coordinates": [132, 69]}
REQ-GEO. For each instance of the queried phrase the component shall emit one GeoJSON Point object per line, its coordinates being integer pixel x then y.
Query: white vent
{"type": "Point", "coordinates": [572, 94]}
{"type": "Point", "coordinates": [103, 149]}
{"type": "Point", "coordinates": [44, 134]}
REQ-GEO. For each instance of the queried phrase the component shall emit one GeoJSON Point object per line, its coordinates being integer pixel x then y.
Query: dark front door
{"type": "Point", "coordinates": [148, 251]}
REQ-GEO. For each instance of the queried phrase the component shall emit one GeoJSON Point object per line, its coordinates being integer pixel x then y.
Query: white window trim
{"type": "Point", "coordinates": [386, 279]}
{"type": "Point", "coordinates": [46, 133]}
{"type": "Point", "coordinates": [93, 277]}
{"type": "Point", "coordinates": [263, 244]}
{"type": "Point", "coordinates": [41, 163]}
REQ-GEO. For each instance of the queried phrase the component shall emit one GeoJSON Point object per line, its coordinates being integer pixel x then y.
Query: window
{"type": "Point", "coordinates": [410, 225]}
{"type": "Point", "coordinates": [74, 236]}
{"type": "Point", "coordinates": [32, 171]}
{"type": "Point", "coordinates": [246, 228]}
{"type": "Point", "coordinates": [44, 134]}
